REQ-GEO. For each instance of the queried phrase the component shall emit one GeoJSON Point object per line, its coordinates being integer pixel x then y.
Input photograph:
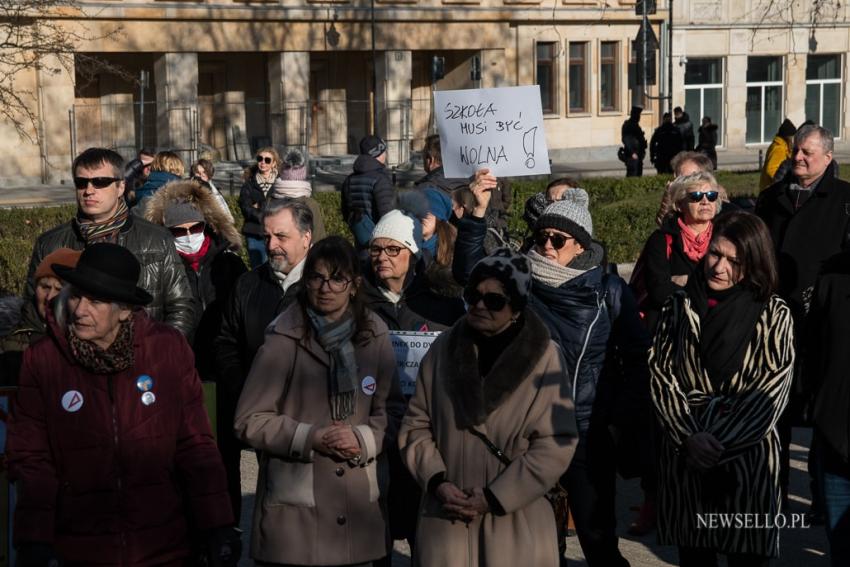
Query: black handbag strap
{"type": "Point", "coordinates": [498, 453]}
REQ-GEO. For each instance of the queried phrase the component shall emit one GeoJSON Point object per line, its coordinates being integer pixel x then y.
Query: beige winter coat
{"type": "Point", "coordinates": [524, 407]}
{"type": "Point", "coordinates": [312, 509]}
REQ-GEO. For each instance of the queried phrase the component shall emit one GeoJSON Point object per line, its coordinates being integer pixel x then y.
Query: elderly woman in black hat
{"type": "Point", "coordinates": [491, 428]}
{"type": "Point", "coordinates": [109, 446]}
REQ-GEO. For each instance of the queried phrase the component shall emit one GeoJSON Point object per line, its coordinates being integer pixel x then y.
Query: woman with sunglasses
{"type": "Point", "coordinates": [490, 429]}
{"type": "Point", "coordinates": [209, 246]}
{"type": "Point", "coordinates": [672, 253]}
{"type": "Point", "coordinates": [721, 365]}
{"type": "Point", "coordinates": [318, 405]}
{"type": "Point", "coordinates": [258, 181]}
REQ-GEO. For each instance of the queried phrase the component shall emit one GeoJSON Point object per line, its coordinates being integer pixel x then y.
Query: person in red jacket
{"type": "Point", "coordinates": [109, 444]}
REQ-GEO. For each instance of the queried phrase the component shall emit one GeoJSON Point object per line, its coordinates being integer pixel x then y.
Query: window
{"type": "Point", "coordinates": [823, 91]}
{"type": "Point", "coordinates": [577, 79]}
{"type": "Point", "coordinates": [546, 73]}
{"type": "Point", "coordinates": [764, 98]}
{"type": "Point", "coordinates": [704, 92]}
{"type": "Point", "coordinates": [609, 76]}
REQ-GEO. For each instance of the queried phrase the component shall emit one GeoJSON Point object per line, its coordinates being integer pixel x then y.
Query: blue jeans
{"type": "Point", "coordinates": [834, 481]}
{"type": "Point", "coordinates": [256, 251]}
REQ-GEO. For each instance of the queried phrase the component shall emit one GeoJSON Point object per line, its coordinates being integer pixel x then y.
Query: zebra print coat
{"type": "Point", "coordinates": [741, 414]}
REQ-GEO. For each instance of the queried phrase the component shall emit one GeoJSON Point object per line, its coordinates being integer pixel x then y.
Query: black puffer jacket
{"type": "Point", "coordinates": [686, 128]}
{"type": "Point", "coordinates": [367, 192]}
{"type": "Point", "coordinates": [162, 271]}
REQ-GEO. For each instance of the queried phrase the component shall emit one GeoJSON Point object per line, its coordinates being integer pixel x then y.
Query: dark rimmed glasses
{"type": "Point", "coordinates": [696, 196]}
{"type": "Point", "coordinates": [390, 251]}
{"type": "Point", "coordinates": [492, 301]}
{"type": "Point", "coordinates": [558, 240]}
{"type": "Point", "coordinates": [337, 283]}
{"type": "Point", "coordinates": [178, 231]}
{"type": "Point", "coordinates": [264, 159]}
{"type": "Point", "coordinates": [97, 182]}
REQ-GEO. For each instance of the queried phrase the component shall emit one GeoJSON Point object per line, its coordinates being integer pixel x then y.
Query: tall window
{"type": "Point", "coordinates": [823, 91]}
{"type": "Point", "coordinates": [704, 92]}
{"type": "Point", "coordinates": [764, 98]}
{"type": "Point", "coordinates": [609, 76]}
{"type": "Point", "coordinates": [546, 74]}
{"type": "Point", "coordinates": [578, 77]}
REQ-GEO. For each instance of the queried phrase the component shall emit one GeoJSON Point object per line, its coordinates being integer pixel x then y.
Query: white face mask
{"type": "Point", "coordinates": [189, 244]}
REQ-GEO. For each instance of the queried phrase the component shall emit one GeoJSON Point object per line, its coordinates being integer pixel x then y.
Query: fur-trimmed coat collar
{"type": "Point", "coordinates": [194, 192]}
{"type": "Point", "coordinates": [474, 397]}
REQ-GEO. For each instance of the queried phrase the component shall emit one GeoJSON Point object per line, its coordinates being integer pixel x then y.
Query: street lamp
{"type": "Point", "coordinates": [375, 123]}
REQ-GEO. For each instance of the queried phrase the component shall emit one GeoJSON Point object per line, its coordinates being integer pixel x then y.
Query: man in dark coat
{"type": "Point", "coordinates": [808, 215]}
{"type": "Point", "coordinates": [634, 143]}
{"type": "Point", "coordinates": [686, 128]}
{"type": "Point", "coordinates": [666, 142]}
{"type": "Point", "coordinates": [367, 194]}
{"type": "Point", "coordinates": [256, 300]}
{"type": "Point", "coordinates": [103, 216]}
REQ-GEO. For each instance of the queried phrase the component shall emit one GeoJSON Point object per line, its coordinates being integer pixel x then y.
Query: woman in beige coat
{"type": "Point", "coordinates": [315, 404]}
{"type": "Point", "coordinates": [494, 377]}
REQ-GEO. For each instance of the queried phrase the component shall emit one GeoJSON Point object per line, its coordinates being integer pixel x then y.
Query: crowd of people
{"type": "Point", "coordinates": [548, 376]}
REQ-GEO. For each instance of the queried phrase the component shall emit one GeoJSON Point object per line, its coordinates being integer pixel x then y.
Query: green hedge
{"type": "Point", "coordinates": [623, 217]}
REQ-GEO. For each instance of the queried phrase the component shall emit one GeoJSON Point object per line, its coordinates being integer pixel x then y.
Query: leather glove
{"type": "Point", "coordinates": [224, 547]}
{"type": "Point", "coordinates": [37, 555]}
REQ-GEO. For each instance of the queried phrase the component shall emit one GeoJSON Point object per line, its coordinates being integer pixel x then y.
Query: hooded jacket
{"type": "Point", "coordinates": [368, 192]}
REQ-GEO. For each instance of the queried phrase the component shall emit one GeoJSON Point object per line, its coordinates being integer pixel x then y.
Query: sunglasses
{"type": "Point", "coordinates": [697, 196]}
{"type": "Point", "coordinates": [264, 159]}
{"type": "Point", "coordinates": [492, 301]}
{"type": "Point", "coordinates": [558, 240]}
{"type": "Point", "coordinates": [197, 228]}
{"type": "Point", "coordinates": [97, 182]}
{"type": "Point", "coordinates": [390, 251]}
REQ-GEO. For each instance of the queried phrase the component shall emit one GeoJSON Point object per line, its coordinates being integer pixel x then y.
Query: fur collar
{"type": "Point", "coordinates": [474, 397]}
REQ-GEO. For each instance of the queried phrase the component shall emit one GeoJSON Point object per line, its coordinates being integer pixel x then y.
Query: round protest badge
{"type": "Point", "coordinates": [148, 398]}
{"type": "Point", "coordinates": [144, 383]}
{"type": "Point", "coordinates": [72, 401]}
{"type": "Point", "coordinates": [368, 385]}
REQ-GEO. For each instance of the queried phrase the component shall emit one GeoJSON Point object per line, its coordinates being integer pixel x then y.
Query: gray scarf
{"type": "Point", "coordinates": [548, 272]}
{"type": "Point", "coordinates": [335, 337]}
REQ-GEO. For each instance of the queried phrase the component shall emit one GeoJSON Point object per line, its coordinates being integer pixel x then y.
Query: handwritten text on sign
{"type": "Point", "coordinates": [410, 348]}
{"type": "Point", "coordinates": [500, 129]}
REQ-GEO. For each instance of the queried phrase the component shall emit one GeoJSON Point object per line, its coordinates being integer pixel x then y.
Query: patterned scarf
{"type": "Point", "coordinates": [335, 337]}
{"type": "Point", "coordinates": [104, 231]}
{"type": "Point", "coordinates": [550, 273]}
{"type": "Point", "coordinates": [695, 245]}
{"type": "Point", "coordinates": [266, 182]}
{"type": "Point", "coordinates": [118, 357]}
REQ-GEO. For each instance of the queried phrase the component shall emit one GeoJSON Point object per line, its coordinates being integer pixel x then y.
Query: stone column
{"type": "Point", "coordinates": [736, 101]}
{"type": "Point", "coordinates": [289, 83]}
{"type": "Point", "coordinates": [394, 96]}
{"type": "Point", "coordinates": [493, 68]}
{"type": "Point", "coordinates": [176, 78]}
{"type": "Point", "coordinates": [56, 94]}
{"type": "Point", "coordinates": [795, 90]}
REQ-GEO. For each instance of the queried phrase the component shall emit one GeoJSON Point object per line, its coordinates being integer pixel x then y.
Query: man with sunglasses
{"type": "Point", "coordinates": [103, 216]}
{"type": "Point", "coordinates": [594, 319]}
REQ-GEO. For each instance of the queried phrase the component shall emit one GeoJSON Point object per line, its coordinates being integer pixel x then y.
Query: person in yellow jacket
{"type": "Point", "coordinates": [778, 151]}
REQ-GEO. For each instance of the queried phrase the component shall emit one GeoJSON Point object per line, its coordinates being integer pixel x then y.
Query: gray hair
{"type": "Point", "coordinates": [301, 213]}
{"type": "Point", "coordinates": [62, 313]}
{"type": "Point", "coordinates": [681, 186]}
{"type": "Point", "coordinates": [702, 161]}
{"type": "Point", "coordinates": [827, 142]}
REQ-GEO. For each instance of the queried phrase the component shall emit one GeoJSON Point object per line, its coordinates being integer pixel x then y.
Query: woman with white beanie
{"type": "Point", "coordinates": [589, 313]}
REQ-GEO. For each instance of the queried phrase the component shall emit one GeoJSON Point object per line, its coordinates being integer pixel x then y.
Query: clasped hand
{"type": "Point", "coordinates": [703, 450]}
{"type": "Point", "coordinates": [337, 440]}
{"type": "Point", "coordinates": [462, 505]}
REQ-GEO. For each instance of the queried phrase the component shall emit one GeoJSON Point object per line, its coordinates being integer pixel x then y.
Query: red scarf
{"type": "Point", "coordinates": [195, 259]}
{"type": "Point", "coordinates": [695, 245]}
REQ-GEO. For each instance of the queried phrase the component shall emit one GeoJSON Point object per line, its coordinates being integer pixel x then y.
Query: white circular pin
{"type": "Point", "coordinates": [72, 401]}
{"type": "Point", "coordinates": [148, 398]}
{"type": "Point", "coordinates": [368, 385]}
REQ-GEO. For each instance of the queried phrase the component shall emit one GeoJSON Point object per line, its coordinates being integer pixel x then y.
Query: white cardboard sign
{"type": "Point", "coordinates": [499, 129]}
{"type": "Point", "coordinates": [410, 348]}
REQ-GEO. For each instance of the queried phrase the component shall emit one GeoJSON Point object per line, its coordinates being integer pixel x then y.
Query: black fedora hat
{"type": "Point", "coordinates": [107, 271]}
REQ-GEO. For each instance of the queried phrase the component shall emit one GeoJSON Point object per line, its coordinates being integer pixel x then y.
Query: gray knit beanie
{"type": "Point", "coordinates": [510, 268]}
{"type": "Point", "coordinates": [570, 215]}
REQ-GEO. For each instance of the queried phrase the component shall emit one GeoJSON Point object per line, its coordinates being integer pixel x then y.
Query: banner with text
{"type": "Point", "coordinates": [500, 129]}
{"type": "Point", "coordinates": [410, 348]}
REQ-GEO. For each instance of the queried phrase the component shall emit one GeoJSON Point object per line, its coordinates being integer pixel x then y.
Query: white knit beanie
{"type": "Point", "coordinates": [397, 226]}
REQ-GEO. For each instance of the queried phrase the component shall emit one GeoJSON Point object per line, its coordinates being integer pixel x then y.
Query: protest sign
{"type": "Point", "coordinates": [499, 129]}
{"type": "Point", "coordinates": [410, 348]}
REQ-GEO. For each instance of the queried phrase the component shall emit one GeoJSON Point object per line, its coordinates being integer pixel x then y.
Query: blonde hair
{"type": "Point", "coordinates": [273, 152]}
{"type": "Point", "coordinates": [682, 185]}
{"type": "Point", "coordinates": [168, 161]}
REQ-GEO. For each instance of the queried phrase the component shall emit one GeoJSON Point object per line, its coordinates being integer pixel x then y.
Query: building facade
{"type": "Point", "coordinates": [221, 78]}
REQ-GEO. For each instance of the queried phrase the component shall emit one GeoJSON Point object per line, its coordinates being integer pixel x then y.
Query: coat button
{"type": "Point", "coordinates": [340, 520]}
{"type": "Point", "coordinates": [340, 471]}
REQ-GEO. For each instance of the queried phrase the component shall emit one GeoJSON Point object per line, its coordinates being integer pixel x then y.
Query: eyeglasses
{"type": "Point", "coordinates": [337, 283]}
{"type": "Point", "coordinates": [196, 228]}
{"type": "Point", "coordinates": [697, 196]}
{"type": "Point", "coordinates": [558, 240]}
{"type": "Point", "coordinates": [97, 182]}
{"type": "Point", "coordinates": [390, 251]}
{"type": "Point", "coordinates": [264, 159]}
{"type": "Point", "coordinates": [492, 301]}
